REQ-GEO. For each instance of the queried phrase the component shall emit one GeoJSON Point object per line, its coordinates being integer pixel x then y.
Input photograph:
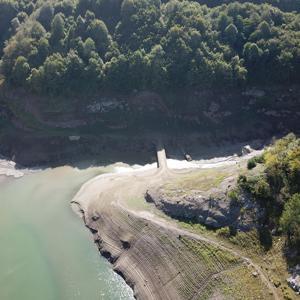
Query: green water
{"type": "Point", "coordinates": [45, 251]}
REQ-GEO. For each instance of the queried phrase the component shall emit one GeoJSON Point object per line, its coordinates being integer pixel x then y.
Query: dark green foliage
{"type": "Point", "coordinates": [290, 219]}
{"type": "Point", "coordinates": [287, 5]}
{"type": "Point", "coordinates": [260, 159]}
{"type": "Point", "coordinates": [57, 29]}
{"type": "Point", "coordinates": [231, 34]}
{"type": "Point", "coordinates": [278, 188]}
{"type": "Point", "coordinates": [233, 195]}
{"type": "Point", "coordinates": [146, 44]}
{"type": "Point", "coordinates": [251, 163]}
{"type": "Point", "coordinates": [224, 232]}
{"type": "Point", "coordinates": [257, 186]}
{"type": "Point", "coordinates": [265, 237]}
{"type": "Point", "coordinates": [12, 14]}
{"type": "Point", "coordinates": [98, 32]}
{"type": "Point", "coordinates": [21, 70]}
{"type": "Point", "coordinates": [45, 15]}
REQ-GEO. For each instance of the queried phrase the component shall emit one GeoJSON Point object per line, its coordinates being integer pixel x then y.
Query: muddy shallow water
{"type": "Point", "coordinates": [45, 251]}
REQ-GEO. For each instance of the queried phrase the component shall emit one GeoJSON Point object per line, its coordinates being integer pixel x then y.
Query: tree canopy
{"type": "Point", "coordinates": [147, 44]}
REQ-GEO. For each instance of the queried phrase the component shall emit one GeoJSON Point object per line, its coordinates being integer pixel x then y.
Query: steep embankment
{"type": "Point", "coordinates": [158, 259]}
{"type": "Point", "coordinates": [37, 130]}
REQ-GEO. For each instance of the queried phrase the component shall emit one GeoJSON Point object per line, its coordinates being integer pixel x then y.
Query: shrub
{"type": "Point", "coordinates": [233, 195]}
{"type": "Point", "coordinates": [251, 163]}
{"type": "Point", "coordinates": [224, 232]}
{"type": "Point", "coordinates": [242, 181]}
{"type": "Point", "coordinates": [261, 188]}
{"type": "Point", "coordinates": [260, 159]}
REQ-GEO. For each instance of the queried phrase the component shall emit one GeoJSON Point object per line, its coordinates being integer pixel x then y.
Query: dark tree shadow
{"type": "Point", "coordinates": [265, 237]}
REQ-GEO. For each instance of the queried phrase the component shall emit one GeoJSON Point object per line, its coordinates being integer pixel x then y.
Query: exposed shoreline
{"type": "Point", "coordinates": [121, 234]}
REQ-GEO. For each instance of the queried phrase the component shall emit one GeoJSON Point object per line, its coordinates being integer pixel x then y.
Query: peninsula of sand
{"type": "Point", "coordinates": [159, 258]}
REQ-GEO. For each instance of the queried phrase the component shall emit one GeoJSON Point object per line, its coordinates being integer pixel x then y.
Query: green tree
{"type": "Point", "coordinates": [158, 71]}
{"type": "Point", "coordinates": [93, 72]}
{"type": "Point", "coordinates": [127, 9]}
{"type": "Point", "coordinates": [264, 29]}
{"type": "Point", "coordinates": [57, 29]}
{"type": "Point", "coordinates": [54, 69]}
{"type": "Point", "coordinates": [223, 21]}
{"type": "Point", "coordinates": [179, 54]}
{"type": "Point", "coordinates": [89, 17]}
{"type": "Point", "coordinates": [66, 7]}
{"type": "Point", "coordinates": [74, 73]}
{"type": "Point", "coordinates": [88, 47]}
{"type": "Point", "coordinates": [80, 26]}
{"type": "Point", "coordinates": [238, 70]}
{"type": "Point", "coordinates": [286, 60]}
{"type": "Point", "coordinates": [8, 10]}
{"type": "Point", "coordinates": [37, 30]}
{"type": "Point", "coordinates": [231, 33]}
{"type": "Point", "coordinates": [252, 52]}
{"type": "Point", "coordinates": [45, 15]}
{"type": "Point", "coordinates": [97, 30]}
{"type": "Point", "coordinates": [21, 70]}
{"type": "Point", "coordinates": [116, 73]}
{"type": "Point", "coordinates": [43, 49]}
{"type": "Point", "coordinates": [138, 70]}
{"type": "Point", "coordinates": [290, 219]}
{"type": "Point", "coordinates": [35, 80]}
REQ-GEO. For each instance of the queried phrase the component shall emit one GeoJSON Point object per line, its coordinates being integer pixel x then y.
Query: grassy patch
{"type": "Point", "coordinates": [239, 283]}
{"type": "Point", "coordinates": [273, 261]}
{"type": "Point", "coordinates": [210, 254]}
{"type": "Point", "coordinates": [195, 227]}
{"type": "Point", "coordinates": [202, 180]}
{"type": "Point", "coordinates": [227, 277]}
{"type": "Point", "coordinates": [248, 241]}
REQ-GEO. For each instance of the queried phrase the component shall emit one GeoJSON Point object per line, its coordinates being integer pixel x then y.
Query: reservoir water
{"type": "Point", "coordinates": [45, 250]}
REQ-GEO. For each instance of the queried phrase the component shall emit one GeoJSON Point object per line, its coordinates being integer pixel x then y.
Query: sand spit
{"type": "Point", "coordinates": [156, 258]}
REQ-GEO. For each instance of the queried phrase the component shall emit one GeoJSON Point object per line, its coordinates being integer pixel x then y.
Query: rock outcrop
{"type": "Point", "coordinates": [212, 208]}
{"type": "Point", "coordinates": [294, 279]}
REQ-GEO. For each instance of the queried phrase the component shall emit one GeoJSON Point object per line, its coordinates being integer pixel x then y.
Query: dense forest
{"type": "Point", "coordinates": [69, 46]}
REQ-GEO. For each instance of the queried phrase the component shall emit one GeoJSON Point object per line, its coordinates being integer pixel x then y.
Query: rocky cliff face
{"type": "Point", "coordinates": [213, 208]}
